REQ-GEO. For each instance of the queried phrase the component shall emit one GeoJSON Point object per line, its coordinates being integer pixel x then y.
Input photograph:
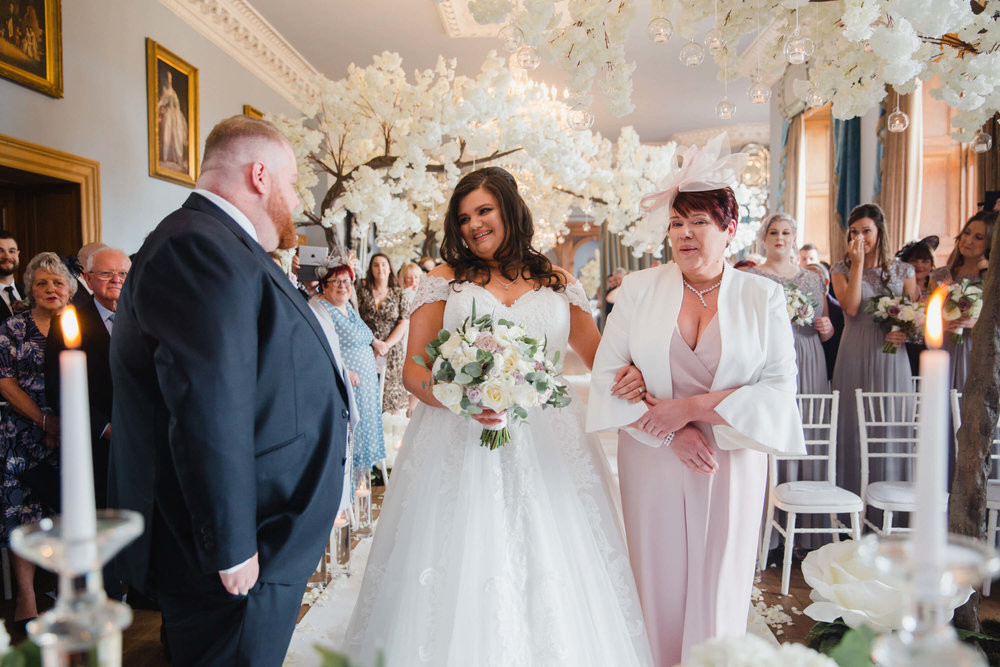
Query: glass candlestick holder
{"type": "Point", "coordinates": [931, 593]}
{"type": "Point", "coordinates": [341, 550]}
{"type": "Point", "coordinates": [84, 629]}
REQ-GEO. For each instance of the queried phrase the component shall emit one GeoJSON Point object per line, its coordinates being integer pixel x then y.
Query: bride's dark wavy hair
{"type": "Point", "coordinates": [515, 256]}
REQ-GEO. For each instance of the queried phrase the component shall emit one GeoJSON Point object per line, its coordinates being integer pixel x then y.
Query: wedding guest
{"type": "Point", "coordinates": [614, 282]}
{"type": "Point", "coordinates": [29, 432]}
{"type": "Point", "coordinates": [968, 261]}
{"type": "Point", "coordinates": [10, 291]}
{"type": "Point", "coordinates": [920, 255]}
{"type": "Point", "coordinates": [808, 254]}
{"type": "Point", "coordinates": [866, 272]}
{"type": "Point", "coordinates": [744, 264]}
{"type": "Point", "coordinates": [230, 414]}
{"type": "Point", "coordinates": [427, 263]}
{"type": "Point", "coordinates": [836, 315]}
{"type": "Point", "coordinates": [409, 276]}
{"type": "Point", "coordinates": [382, 307]}
{"type": "Point", "coordinates": [716, 351]}
{"type": "Point", "coordinates": [777, 234]}
{"type": "Point", "coordinates": [356, 347]}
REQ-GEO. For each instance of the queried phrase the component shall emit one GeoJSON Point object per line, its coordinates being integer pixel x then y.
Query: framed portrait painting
{"type": "Point", "coordinates": [31, 44]}
{"type": "Point", "coordinates": [172, 107]}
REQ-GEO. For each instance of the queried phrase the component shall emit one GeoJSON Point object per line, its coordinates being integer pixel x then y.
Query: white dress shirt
{"type": "Point", "coordinates": [236, 214]}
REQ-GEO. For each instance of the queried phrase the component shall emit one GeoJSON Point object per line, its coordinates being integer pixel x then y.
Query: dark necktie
{"type": "Point", "coordinates": [10, 296]}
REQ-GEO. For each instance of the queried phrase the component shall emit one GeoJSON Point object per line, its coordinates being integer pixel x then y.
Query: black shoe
{"type": "Point", "coordinates": [22, 625]}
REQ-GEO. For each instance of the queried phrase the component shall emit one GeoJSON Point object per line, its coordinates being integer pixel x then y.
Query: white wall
{"type": "Point", "coordinates": [103, 113]}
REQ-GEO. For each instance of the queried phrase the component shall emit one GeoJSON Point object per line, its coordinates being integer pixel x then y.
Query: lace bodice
{"type": "Point", "coordinates": [544, 313]}
{"type": "Point", "coordinates": [942, 275]}
{"type": "Point", "coordinates": [871, 279]}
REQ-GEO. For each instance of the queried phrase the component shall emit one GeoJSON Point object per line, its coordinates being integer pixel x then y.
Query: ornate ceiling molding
{"type": "Point", "coordinates": [458, 21]}
{"type": "Point", "coordinates": [740, 134]}
{"type": "Point", "coordinates": [239, 30]}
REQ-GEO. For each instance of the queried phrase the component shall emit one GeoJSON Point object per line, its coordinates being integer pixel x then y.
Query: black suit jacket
{"type": "Point", "coordinates": [4, 308]}
{"type": "Point", "coordinates": [96, 342]}
{"type": "Point", "coordinates": [230, 419]}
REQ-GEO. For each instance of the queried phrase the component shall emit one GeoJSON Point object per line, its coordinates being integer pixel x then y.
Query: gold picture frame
{"type": "Point", "coordinates": [252, 112]}
{"type": "Point", "coordinates": [172, 109]}
{"type": "Point", "coordinates": [31, 44]}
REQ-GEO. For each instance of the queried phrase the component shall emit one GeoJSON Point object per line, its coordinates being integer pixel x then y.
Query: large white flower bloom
{"type": "Point", "coordinates": [752, 651]}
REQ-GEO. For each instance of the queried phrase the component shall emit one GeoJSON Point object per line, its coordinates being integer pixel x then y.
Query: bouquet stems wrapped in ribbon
{"type": "Point", "coordinates": [897, 313]}
{"type": "Point", "coordinates": [965, 299]}
{"type": "Point", "coordinates": [488, 364]}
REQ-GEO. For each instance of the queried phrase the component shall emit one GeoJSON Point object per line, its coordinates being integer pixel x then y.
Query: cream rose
{"type": "Point", "coordinates": [496, 395]}
{"type": "Point", "coordinates": [450, 395]}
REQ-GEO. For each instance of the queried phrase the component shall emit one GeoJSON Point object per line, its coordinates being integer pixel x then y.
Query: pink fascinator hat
{"type": "Point", "coordinates": [712, 167]}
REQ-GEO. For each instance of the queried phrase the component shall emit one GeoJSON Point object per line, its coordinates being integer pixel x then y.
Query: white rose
{"type": "Point", "coordinates": [449, 394]}
{"type": "Point", "coordinates": [524, 395]}
{"type": "Point", "coordinates": [845, 586]}
{"type": "Point", "coordinates": [449, 347]}
{"type": "Point", "coordinates": [496, 395]}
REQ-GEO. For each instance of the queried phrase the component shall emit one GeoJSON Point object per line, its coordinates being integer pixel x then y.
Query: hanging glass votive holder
{"type": "Point", "coordinates": [659, 30]}
{"type": "Point", "coordinates": [897, 122]}
{"type": "Point", "coordinates": [511, 37]}
{"type": "Point", "coordinates": [692, 54]}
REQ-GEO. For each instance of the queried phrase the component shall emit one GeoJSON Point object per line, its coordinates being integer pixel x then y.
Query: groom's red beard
{"type": "Point", "coordinates": [281, 216]}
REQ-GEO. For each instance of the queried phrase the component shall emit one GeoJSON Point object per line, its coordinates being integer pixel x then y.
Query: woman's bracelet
{"type": "Point", "coordinates": [670, 438]}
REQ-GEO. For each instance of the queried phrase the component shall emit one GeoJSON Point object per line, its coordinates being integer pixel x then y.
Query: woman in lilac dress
{"type": "Point", "coordinates": [777, 233]}
{"type": "Point", "coordinates": [868, 271]}
{"type": "Point", "coordinates": [715, 348]}
{"type": "Point", "coordinates": [968, 261]}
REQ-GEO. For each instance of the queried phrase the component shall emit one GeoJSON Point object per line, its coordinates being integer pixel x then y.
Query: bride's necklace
{"type": "Point", "coordinates": [507, 286]}
{"type": "Point", "coordinates": [701, 293]}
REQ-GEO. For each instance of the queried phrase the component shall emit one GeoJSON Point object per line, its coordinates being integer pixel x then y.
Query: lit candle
{"type": "Point", "coordinates": [363, 501]}
{"type": "Point", "coordinates": [79, 517]}
{"type": "Point", "coordinates": [930, 532]}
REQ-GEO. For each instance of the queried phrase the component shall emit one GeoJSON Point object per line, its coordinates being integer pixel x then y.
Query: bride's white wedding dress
{"type": "Point", "coordinates": [505, 557]}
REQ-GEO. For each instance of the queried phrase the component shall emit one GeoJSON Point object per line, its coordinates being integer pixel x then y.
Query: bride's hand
{"type": "Point", "coordinates": [663, 417]}
{"type": "Point", "coordinates": [489, 418]}
{"type": "Point", "coordinates": [629, 384]}
{"type": "Point", "coordinates": [693, 450]}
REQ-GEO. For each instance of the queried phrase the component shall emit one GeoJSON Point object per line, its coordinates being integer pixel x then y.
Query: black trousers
{"type": "Point", "coordinates": [219, 630]}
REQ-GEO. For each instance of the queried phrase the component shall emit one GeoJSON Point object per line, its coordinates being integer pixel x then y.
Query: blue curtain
{"type": "Point", "coordinates": [784, 165]}
{"type": "Point", "coordinates": [847, 165]}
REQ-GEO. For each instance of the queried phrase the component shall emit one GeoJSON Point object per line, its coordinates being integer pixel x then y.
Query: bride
{"type": "Point", "coordinates": [512, 556]}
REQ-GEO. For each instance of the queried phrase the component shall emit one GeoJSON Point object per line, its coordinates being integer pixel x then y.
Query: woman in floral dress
{"type": "Point", "coordinates": [383, 308]}
{"type": "Point", "coordinates": [29, 433]}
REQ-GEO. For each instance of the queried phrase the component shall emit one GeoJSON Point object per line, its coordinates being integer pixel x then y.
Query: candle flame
{"type": "Point", "coordinates": [934, 322]}
{"type": "Point", "coordinates": [70, 327]}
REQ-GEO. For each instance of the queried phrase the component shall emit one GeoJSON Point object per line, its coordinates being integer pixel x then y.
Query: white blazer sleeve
{"type": "Point", "coordinates": [605, 411]}
{"type": "Point", "coordinates": [763, 414]}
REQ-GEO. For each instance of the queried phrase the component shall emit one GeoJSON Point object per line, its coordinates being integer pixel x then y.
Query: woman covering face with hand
{"type": "Point", "coordinates": [715, 348]}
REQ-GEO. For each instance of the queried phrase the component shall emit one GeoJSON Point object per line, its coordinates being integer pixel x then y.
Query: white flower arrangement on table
{"type": "Point", "coordinates": [897, 313]}
{"type": "Point", "coordinates": [801, 305]}
{"type": "Point", "coordinates": [752, 651]}
{"type": "Point", "coordinates": [487, 364]}
{"type": "Point", "coordinates": [965, 299]}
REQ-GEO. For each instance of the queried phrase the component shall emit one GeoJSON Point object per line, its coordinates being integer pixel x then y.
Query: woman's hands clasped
{"type": "Point", "coordinates": [629, 384]}
{"type": "Point", "coordinates": [693, 450]}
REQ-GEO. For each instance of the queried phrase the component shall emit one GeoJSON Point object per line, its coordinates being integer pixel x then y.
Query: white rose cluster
{"type": "Point", "coordinates": [752, 651]}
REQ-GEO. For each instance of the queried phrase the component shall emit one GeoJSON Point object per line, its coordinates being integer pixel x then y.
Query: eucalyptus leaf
{"type": "Point", "coordinates": [473, 369]}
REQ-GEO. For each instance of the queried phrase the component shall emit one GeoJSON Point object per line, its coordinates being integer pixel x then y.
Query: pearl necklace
{"type": "Point", "coordinates": [700, 293]}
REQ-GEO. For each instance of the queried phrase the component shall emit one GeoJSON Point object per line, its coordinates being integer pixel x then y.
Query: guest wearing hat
{"type": "Point", "coordinates": [919, 255]}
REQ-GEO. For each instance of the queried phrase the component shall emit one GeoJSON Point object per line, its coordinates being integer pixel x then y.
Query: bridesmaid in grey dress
{"type": "Point", "coordinates": [778, 233]}
{"type": "Point", "coordinates": [866, 272]}
{"type": "Point", "coordinates": [778, 236]}
{"type": "Point", "coordinates": [968, 260]}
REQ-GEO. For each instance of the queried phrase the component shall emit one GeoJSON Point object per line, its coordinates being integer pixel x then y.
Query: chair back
{"type": "Point", "coordinates": [819, 428]}
{"type": "Point", "coordinates": [956, 422]}
{"type": "Point", "coordinates": [887, 426]}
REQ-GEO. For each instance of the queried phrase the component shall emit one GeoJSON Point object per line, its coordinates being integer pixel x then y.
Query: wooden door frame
{"type": "Point", "coordinates": [86, 173]}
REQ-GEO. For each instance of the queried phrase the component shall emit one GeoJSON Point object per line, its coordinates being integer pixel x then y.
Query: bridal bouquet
{"type": "Point", "coordinates": [801, 305]}
{"type": "Point", "coordinates": [494, 365]}
{"type": "Point", "coordinates": [965, 299]}
{"type": "Point", "coordinates": [897, 313]}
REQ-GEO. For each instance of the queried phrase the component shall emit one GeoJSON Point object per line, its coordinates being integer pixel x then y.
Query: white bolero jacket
{"type": "Point", "coordinates": [757, 357]}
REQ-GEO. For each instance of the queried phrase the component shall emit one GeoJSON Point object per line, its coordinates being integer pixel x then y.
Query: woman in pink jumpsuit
{"type": "Point", "coordinates": [716, 351]}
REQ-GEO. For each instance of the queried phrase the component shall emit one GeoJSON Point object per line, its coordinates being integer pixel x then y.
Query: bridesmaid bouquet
{"type": "Point", "coordinates": [897, 313]}
{"type": "Point", "coordinates": [801, 305]}
{"type": "Point", "coordinates": [965, 299]}
{"type": "Point", "coordinates": [494, 365]}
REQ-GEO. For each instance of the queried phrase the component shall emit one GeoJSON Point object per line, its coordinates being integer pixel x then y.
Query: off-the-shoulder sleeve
{"type": "Point", "coordinates": [431, 289]}
{"type": "Point", "coordinates": [840, 267]}
{"type": "Point", "coordinates": [577, 297]}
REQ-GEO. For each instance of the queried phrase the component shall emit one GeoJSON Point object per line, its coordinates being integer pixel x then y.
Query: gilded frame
{"type": "Point", "coordinates": [16, 64]}
{"type": "Point", "coordinates": [172, 111]}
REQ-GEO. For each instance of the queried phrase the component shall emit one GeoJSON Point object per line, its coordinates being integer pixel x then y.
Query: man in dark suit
{"type": "Point", "coordinates": [230, 412]}
{"type": "Point", "coordinates": [10, 291]}
{"type": "Point", "coordinates": [105, 273]}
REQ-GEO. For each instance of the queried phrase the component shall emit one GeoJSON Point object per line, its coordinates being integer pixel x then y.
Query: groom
{"type": "Point", "coordinates": [230, 412]}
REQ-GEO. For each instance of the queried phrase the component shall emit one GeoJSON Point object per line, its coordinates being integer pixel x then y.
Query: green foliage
{"type": "Point", "coordinates": [25, 654]}
{"type": "Point", "coordinates": [855, 649]}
